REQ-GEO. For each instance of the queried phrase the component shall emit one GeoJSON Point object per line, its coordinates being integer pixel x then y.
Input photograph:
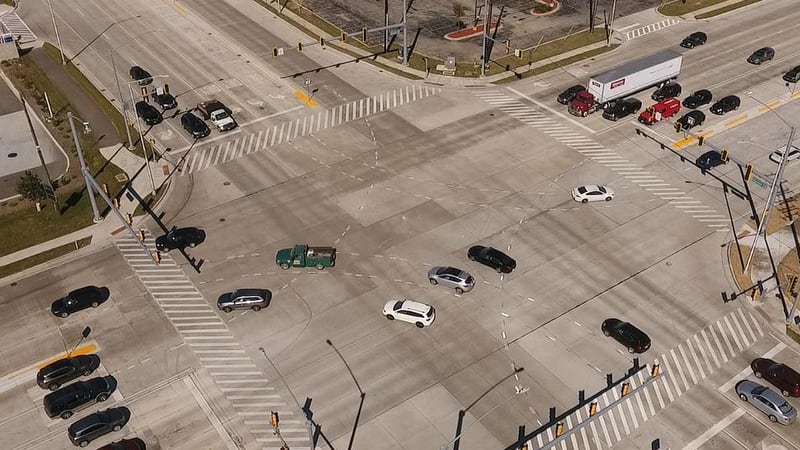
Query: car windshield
{"type": "Point", "coordinates": [601, 189]}
{"type": "Point", "coordinates": [469, 279]}
{"type": "Point", "coordinates": [758, 390]}
{"type": "Point", "coordinates": [398, 305]}
{"type": "Point", "coordinates": [449, 271]}
{"type": "Point", "coordinates": [582, 189]}
{"type": "Point", "coordinates": [785, 408]}
{"type": "Point", "coordinates": [429, 313]}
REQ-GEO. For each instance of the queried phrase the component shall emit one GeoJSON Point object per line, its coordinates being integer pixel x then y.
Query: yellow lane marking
{"type": "Point", "coordinates": [685, 142]}
{"type": "Point", "coordinates": [795, 95]}
{"type": "Point", "coordinates": [706, 134]}
{"type": "Point", "coordinates": [303, 97]}
{"type": "Point", "coordinates": [736, 121]}
{"type": "Point", "coordinates": [87, 349]}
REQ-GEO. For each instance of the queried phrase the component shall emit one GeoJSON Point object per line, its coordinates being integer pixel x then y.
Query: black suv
{"type": "Point", "coordinates": [694, 39]}
{"type": "Point", "coordinates": [634, 339]}
{"type": "Point", "coordinates": [53, 375]}
{"type": "Point", "coordinates": [691, 119]}
{"type": "Point", "coordinates": [622, 108]}
{"type": "Point", "coordinates": [698, 99]}
{"type": "Point", "coordinates": [725, 104]}
{"type": "Point", "coordinates": [65, 401]}
{"type": "Point", "coordinates": [125, 444]}
{"type": "Point", "coordinates": [98, 424]}
{"type": "Point", "coordinates": [761, 55]}
{"type": "Point", "coordinates": [195, 126]}
{"type": "Point", "coordinates": [793, 75]}
{"type": "Point", "coordinates": [709, 160]}
{"type": "Point", "coordinates": [148, 113]}
{"type": "Point", "coordinates": [165, 101]}
{"type": "Point", "coordinates": [79, 299]}
{"type": "Point", "coordinates": [142, 76]}
{"type": "Point", "coordinates": [254, 299]}
{"type": "Point", "coordinates": [669, 90]}
{"type": "Point", "coordinates": [569, 94]}
{"type": "Point", "coordinates": [492, 257]}
{"type": "Point", "coordinates": [180, 238]}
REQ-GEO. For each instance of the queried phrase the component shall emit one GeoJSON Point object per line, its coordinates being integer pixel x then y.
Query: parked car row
{"type": "Point", "coordinates": [783, 377]}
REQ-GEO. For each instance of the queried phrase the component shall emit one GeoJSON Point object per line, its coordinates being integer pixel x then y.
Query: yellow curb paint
{"type": "Point", "coordinates": [87, 349]}
{"type": "Point", "coordinates": [706, 134]}
{"type": "Point", "coordinates": [178, 7]}
{"type": "Point", "coordinates": [683, 143]}
{"type": "Point", "coordinates": [303, 97]}
{"type": "Point", "coordinates": [736, 121]}
{"type": "Point", "coordinates": [795, 95]}
{"type": "Point", "coordinates": [775, 104]}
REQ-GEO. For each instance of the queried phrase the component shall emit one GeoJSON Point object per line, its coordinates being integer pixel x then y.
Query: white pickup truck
{"type": "Point", "coordinates": [218, 113]}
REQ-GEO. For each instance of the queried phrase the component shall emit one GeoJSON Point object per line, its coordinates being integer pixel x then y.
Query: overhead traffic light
{"type": "Point", "coordinates": [300, 47]}
{"type": "Point", "coordinates": [725, 155]}
{"type": "Point", "coordinates": [700, 140]}
{"type": "Point", "coordinates": [364, 34]}
{"type": "Point", "coordinates": [507, 42]}
{"type": "Point", "coordinates": [344, 36]}
{"type": "Point", "coordinates": [273, 418]}
{"type": "Point", "coordinates": [322, 41]}
{"type": "Point", "coordinates": [748, 172]}
{"type": "Point", "coordinates": [274, 52]}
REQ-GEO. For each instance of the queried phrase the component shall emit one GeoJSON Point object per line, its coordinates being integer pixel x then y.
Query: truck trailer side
{"type": "Point", "coordinates": [635, 76]}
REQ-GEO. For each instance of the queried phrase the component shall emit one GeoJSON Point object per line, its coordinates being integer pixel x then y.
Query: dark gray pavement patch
{"type": "Point", "coordinates": [8, 101]}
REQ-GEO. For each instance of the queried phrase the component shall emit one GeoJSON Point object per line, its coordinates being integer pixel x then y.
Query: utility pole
{"type": "Point", "coordinates": [58, 38]}
{"type": "Point", "coordinates": [485, 41]}
{"type": "Point", "coordinates": [51, 188]}
{"type": "Point", "coordinates": [405, 33]}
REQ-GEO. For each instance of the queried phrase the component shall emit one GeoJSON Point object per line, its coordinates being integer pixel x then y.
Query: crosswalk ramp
{"type": "Point", "coordinates": [250, 392]}
{"type": "Point", "coordinates": [652, 28]}
{"type": "Point", "coordinates": [12, 23]}
{"type": "Point", "coordinates": [599, 154]}
{"type": "Point", "coordinates": [681, 368]}
{"type": "Point", "coordinates": [207, 157]}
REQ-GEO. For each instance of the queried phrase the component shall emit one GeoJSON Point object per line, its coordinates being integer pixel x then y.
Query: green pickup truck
{"type": "Point", "coordinates": [305, 256]}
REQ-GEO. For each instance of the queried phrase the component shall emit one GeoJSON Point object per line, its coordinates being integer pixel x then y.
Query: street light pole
{"type": "Point", "coordinates": [362, 394]}
{"type": "Point", "coordinates": [89, 191]}
{"type": "Point", "coordinates": [144, 147]}
{"type": "Point", "coordinates": [124, 102]}
{"type": "Point", "coordinates": [518, 392]}
{"type": "Point", "coordinates": [58, 38]}
{"type": "Point", "coordinates": [300, 408]}
{"type": "Point", "coordinates": [773, 191]}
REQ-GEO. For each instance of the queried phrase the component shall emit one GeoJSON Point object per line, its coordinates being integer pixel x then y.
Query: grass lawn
{"type": "Point", "coordinates": [40, 258]}
{"type": "Point", "coordinates": [725, 9]}
{"type": "Point", "coordinates": [677, 7]}
{"type": "Point", "coordinates": [559, 63]}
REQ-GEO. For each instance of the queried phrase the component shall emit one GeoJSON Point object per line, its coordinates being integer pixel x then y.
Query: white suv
{"type": "Point", "coordinates": [419, 314]}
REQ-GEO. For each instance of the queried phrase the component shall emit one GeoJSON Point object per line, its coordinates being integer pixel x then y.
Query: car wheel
{"type": "Point", "coordinates": [471, 258]}
{"type": "Point", "coordinates": [419, 324]}
{"type": "Point", "coordinates": [608, 199]}
{"type": "Point", "coordinates": [585, 200]}
{"type": "Point", "coordinates": [459, 291]}
{"type": "Point", "coordinates": [66, 415]}
{"type": "Point", "coordinates": [320, 267]}
{"type": "Point", "coordinates": [87, 372]}
{"type": "Point", "coordinates": [772, 418]}
{"type": "Point", "coordinates": [785, 393]}
{"type": "Point", "coordinates": [757, 373]}
{"type": "Point", "coordinates": [54, 386]}
{"type": "Point", "coordinates": [285, 266]}
{"type": "Point", "coordinates": [256, 308]}
{"type": "Point", "coordinates": [192, 244]}
{"type": "Point", "coordinates": [227, 309]}
{"type": "Point", "coordinates": [390, 317]}
{"type": "Point", "coordinates": [499, 270]}
{"type": "Point", "coordinates": [583, 114]}
{"type": "Point", "coordinates": [64, 314]}
{"type": "Point", "coordinates": [95, 304]}
{"type": "Point", "coordinates": [102, 397]}
{"type": "Point", "coordinates": [631, 350]}
{"type": "Point", "coordinates": [607, 333]}
{"type": "Point", "coordinates": [433, 281]}
{"type": "Point", "coordinates": [117, 427]}
{"type": "Point", "coordinates": [84, 443]}
{"type": "Point", "coordinates": [743, 397]}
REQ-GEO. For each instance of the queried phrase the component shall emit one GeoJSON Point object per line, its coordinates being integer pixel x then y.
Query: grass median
{"type": "Point", "coordinates": [725, 9]}
{"type": "Point", "coordinates": [43, 257]}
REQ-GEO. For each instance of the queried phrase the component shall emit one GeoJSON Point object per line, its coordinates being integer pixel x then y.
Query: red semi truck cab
{"type": "Point", "coordinates": [583, 104]}
{"type": "Point", "coordinates": [660, 111]}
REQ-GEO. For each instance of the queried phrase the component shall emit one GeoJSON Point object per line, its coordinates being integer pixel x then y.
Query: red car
{"type": "Point", "coordinates": [780, 375]}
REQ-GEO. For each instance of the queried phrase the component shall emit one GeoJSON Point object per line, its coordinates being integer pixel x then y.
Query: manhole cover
{"type": "Point", "coordinates": [121, 177]}
{"type": "Point", "coordinates": [222, 219]}
{"type": "Point", "coordinates": [226, 183]}
{"type": "Point", "coordinates": [12, 155]}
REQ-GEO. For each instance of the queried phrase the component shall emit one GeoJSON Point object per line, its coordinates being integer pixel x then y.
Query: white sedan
{"type": "Point", "coordinates": [777, 155]}
{"type": "Point", "coordinates": [592, 193]}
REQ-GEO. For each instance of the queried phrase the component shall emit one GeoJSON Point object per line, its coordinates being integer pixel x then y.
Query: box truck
{"type": "Point", "coordinates": [625, 80]}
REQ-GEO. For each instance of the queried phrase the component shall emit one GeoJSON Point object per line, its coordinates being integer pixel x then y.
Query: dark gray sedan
{"type": "Point", "coordinates": [254, 299]}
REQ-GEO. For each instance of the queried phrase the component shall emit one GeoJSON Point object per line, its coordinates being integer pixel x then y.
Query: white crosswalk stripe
{"type": "Point", "coordinates": [652, 28]}
{"type": "Point", "coordinates": [647, 396]}
{"type": "Point", "coordinates": [13, 24]}
{"type": "Point", "coordinates": [204, 157]}
{"type": "Point", "coordinates": [240, 380]}
{"type": "Point", "coordinates": [532, 117]}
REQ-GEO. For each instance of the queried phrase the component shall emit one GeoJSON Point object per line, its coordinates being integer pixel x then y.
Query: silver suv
{"type": "Point", "coordinates": [451, 277]}
{"type": "Point", "coordinates": [254, 299]}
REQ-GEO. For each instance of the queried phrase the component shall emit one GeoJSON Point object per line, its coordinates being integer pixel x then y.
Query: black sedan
{"type": "Point", "coordinates": [634, 339]}
{"type": "Point", "coordinates": [669, 90]}
{"type": "Point", "coordinates": [569, 94]}
{"type": "Point", "coordinates": [148, 113]}
{"type": "Point", "coordinates": [142, 76]}
{"type": "Point", "coordinates": [698, 99]}
{"type": "Point", "coordinates": [691, 119]}
{"type": "Point", "coordinates": [694, 39]}
{"type": "Point", "coordinates": [165, 101]}
{"type": "Point", "coordinates": [180, 238]}
{"type": "Point", "coordinates": [725, 105]}
{"type": "Point", "coordinates": [493, 258]}
{"type": "Point", "coordinates": [622, 109]}
{"type": "Point", "coordinates": [79, 299]}
{"type": "Point", "coordinates": [195, 126]}
{"type": "Point", "coordinates": [53, 375]}
{"type": "Point", "coordinates": [125, 444]}
{"type": "Point", "coordinates": [709, 160]}
{"type": "Point", "coordinates": [98, 424]}
{"type": "Point", "coordinates": [761, 55]}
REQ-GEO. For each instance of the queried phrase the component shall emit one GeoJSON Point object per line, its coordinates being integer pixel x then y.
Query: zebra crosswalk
{"type": "Point", "coordinates": [233, 370]}
{"type": "Point", "coordinates": [681, 368]}
{"type": "Point", "coordinates": [652, 28]}
{"type": "Point", "coordinates": [598, 153]}
{"type": "Point", "coordinates": [206, 157]}
{"type": "Point", "coordinates": [13, 24]}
